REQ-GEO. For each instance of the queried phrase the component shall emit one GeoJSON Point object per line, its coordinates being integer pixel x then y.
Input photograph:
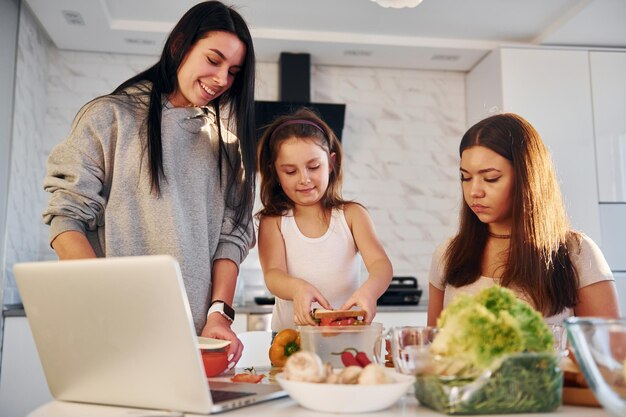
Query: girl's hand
{"type": "Point", "coordinates": [303, 297]}
{"type": "Point", "coordinates": [219, 328]}
{"type": "Point", "coordinates": [363, 299]}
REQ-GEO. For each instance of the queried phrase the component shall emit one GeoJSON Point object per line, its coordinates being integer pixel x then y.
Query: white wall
{"type": "Point", "coordinates": [23, 219]}
{"type": "Point", "coordinates": [9, 18]}
{"type": "Point", "coordinates": [484, 88]}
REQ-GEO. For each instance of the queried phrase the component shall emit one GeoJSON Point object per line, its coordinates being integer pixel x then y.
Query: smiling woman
{"type": "Point", "coordinates": [116, 183]}
{"type": "Point", "coordinates": [209, 69]}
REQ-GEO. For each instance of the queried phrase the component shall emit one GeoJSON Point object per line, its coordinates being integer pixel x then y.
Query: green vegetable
{"type": "Point", "coordinates": [482, 328]}
{"type": "Point", "coordinates": [493, 353]}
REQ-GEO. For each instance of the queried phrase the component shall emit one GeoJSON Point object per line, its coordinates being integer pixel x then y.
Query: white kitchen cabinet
{"type": "Point", "coordinates": [613, 221]}
{"type": "Point", "coordinates": [23, 386]}
{"type": "Point", "coordinates": [608, 87]}
{"type": "Point", "coordinates": [551, 88]}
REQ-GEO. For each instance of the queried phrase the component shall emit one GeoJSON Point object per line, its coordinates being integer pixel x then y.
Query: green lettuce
{"type": "Point", "coordinates": [482, 328]}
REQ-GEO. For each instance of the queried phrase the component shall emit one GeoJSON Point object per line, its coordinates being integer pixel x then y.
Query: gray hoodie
{"type": "Point", "coordinates": [100, 185]}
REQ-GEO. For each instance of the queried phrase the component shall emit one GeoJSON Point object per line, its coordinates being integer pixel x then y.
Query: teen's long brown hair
{"type": "Point", "coordinates": [275, 201]}
{"type": "Point", "coordinates": [541, 239]}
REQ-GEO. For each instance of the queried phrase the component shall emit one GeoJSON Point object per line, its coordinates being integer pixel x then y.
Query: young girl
{"type": "Point", "coordinates": [309, 236]}
{"type": "Point", "coordinates": [149, 168]}
{"type": "Point", "coordinates": [514, 230]}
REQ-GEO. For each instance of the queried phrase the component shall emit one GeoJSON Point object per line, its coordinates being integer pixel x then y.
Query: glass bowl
{"type": "Point", "coordinates": [600, 349]}
{"type": "Point", "coordinates": [524, 382]}
{"type": "Point", "coordinates": [328, 342]}
{"type": "Point", "coordinates": [519, 382]}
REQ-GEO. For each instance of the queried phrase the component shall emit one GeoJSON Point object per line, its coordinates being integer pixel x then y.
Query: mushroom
{"type": "Point", "coordinates": [350, 375]}
{"type": "Point", "coordinates": [305, 366]}
{"type": "Point", "coordinates": [374, 374]}
{"type": "Point", "coordinates": [332, 378]}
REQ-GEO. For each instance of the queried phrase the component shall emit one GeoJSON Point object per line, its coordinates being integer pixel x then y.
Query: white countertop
{"type": "Point", "coordinates": [286, 407]}
{"type": "Point", "coordinates": [407, 406]}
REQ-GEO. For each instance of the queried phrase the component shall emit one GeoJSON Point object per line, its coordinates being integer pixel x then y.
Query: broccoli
{"type": "Point", "coordinates": [485, 327]}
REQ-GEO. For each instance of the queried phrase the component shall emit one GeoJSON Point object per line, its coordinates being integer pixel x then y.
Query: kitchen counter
{"type": "Point", "coordinates": [252, 308]}
{"type": "Point", "coordinates": [407, 406]}
{"type": "Point", "coordinates": [286, 407]}
{"type": "Point", "coordinates": [13, 310]}
{"type": "Point", "coordinates": [17, 310]}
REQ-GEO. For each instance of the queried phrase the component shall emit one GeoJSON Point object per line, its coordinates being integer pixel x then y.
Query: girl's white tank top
{"type": "Point", "coordinates": [329, 262]}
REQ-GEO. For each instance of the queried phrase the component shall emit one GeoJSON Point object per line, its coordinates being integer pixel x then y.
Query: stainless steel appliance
{"type": "Point", "coordinates": [402, 291]}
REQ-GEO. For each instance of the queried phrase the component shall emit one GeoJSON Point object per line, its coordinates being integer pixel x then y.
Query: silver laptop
{"type": "Point", "coordinates": [118, 331]}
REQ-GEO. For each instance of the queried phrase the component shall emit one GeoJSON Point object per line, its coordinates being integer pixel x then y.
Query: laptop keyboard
{"type": "Point", "coordinates": [222, 395]}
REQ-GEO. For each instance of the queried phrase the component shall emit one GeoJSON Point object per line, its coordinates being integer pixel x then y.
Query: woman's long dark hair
{"type": "Point", "coordinates": [196, 24]}
{"type": "Point", "coordinates": [538, 262]}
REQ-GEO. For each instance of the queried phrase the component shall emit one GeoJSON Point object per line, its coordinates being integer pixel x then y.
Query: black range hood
{"type": "Point", "coordinates": [295, 92]}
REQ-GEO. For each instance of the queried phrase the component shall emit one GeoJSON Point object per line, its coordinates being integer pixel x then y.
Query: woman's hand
{"type": "Point", "coordinates": [218, 327]}
{"type": "Point", "coordinates": [365, 300]}
{"type": "Point", "coordinates": [304, 295]}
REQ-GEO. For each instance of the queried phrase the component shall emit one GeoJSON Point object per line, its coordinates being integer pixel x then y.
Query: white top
{"type": "Point", "coordinates": [588, 261]}
{"type": "Point", "coordinates": [329, 262]}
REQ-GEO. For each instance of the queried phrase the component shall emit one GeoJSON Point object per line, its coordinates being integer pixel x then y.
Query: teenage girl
{"type": "Point", "coordinates": [514, 231]}
{"type": "Point", "coordinates": [309, 236]}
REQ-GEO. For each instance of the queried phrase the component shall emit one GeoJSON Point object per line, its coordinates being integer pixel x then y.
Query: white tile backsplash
{"type": "Point", "coordinates": [401, 136]}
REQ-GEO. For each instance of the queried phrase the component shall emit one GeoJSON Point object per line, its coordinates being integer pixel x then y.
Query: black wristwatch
{"type": "Point", "coordinates": [219, 306]}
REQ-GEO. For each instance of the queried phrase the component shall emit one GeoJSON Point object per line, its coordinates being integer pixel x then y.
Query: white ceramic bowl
{"type": "Point", "coordinates": [600, 348]}
{"type": "Point", "coordinates": [339, 398]}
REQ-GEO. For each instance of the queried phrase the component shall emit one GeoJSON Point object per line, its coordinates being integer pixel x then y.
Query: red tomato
{"type": "Point", "coordinates": [331, 321]}
{"type": "Point", "coordinates": [325, 321]}
{"type": "Point", "coordinates": [215, 362]}
{"type": "Point", "coordinates": [248, 378]}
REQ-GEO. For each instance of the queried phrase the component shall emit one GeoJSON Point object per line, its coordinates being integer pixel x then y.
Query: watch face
{"type": "Point", "coordinates": [229, 311]}
{"type": "Point", "coordinates": [223, 308]}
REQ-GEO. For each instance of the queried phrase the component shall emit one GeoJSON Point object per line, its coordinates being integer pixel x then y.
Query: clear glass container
{"type": "Point", "coordinates": [600, 349]}
{"type": "Point", "coordinates": [516, 383]}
